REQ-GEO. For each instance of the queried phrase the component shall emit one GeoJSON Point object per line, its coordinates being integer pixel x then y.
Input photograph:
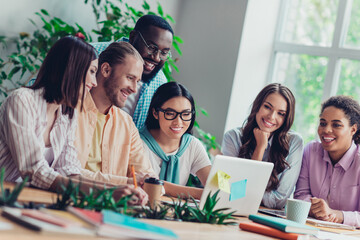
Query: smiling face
{"type": "Point", "coordinates": [123, 80]}
{"type": "Point", "coordinates": [158, 37]}
{"type": "Point", "coordinates": [335, 132]}
{"type": "Point", "coordinates": [272, 113]}
{"type": "Point", "coordinates": [90, 79]}
{"type": "Point", "coordinates": [173, 129]}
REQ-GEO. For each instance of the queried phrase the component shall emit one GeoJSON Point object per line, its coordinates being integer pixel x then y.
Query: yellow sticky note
{"type": "Point", "coordinates": [223, 181]}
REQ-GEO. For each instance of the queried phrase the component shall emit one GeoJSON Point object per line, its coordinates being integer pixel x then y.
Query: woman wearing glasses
{"type": "Point", "coordinates": [173, 151]}
{"type": "Point", "coordinates": [266, 137]}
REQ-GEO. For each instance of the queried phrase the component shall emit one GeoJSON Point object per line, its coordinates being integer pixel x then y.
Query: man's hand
{"type": "Point", "coordinates": [139, 196]}
{"type": "Point", "coordinates": [140, 178]}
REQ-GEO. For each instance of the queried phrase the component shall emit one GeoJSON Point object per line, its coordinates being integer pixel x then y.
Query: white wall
{"type": "Point", "coordinates": [212, 31]}
{"type": "Point", "coordinates": [14, 14]}
{"type": "Point", "coordinates": [253, 59]}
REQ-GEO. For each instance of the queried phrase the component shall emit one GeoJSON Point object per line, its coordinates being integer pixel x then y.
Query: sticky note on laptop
{"type": "Point", "coordinates": [221, 179]}
{"type": "Point", "coordinates": [238, 190]}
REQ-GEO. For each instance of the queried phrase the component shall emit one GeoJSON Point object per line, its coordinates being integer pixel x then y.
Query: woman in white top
{"type": "Point", "coordinates": [37, 123]}
{"type": "Point", "coordinates": [173, 151]}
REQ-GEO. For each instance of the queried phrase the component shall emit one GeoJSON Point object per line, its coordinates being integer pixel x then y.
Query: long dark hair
{"type": "Point", "coordinates": [164, 93]}
{"type": "Point", "coordinates": [351, 109]}
{"type": "Point", "coordinates": [64, 71]}
{"type": "Point", "coordinates": [280, 144]}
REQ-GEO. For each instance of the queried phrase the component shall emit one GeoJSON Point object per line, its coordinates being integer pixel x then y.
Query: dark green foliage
{"type": "Point", "coordinates": [181, 209]}
{"type": "Point", "coordinates": [158, 212]}
{"type": "Point", "coordinates": [31, 48]}
{"type": "Point", "coordinates": [9, 198]}
{"type": "Point", "coordinates": [208, 215]}
{"type": "Point", "coordinates": [96, 199]}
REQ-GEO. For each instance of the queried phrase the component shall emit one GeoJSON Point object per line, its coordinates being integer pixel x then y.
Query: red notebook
{"type": "Point", "coordinates": [272, 232]}
{"type": "Point", "coordinates": [42, 216]}
{"type": "Point", "coordinates": [92, 217]}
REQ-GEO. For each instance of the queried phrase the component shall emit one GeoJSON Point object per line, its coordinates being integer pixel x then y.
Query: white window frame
{"type": "Point", "coordinates": [334, 53]}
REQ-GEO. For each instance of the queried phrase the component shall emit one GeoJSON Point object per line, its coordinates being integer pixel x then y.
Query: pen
{"type": "Point", "coordinates": [133, 174]}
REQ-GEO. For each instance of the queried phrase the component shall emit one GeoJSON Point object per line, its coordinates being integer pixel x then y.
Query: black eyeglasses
{"type": "Point", "coordinates": [153, 49]}
{"type": "Point", "coordinates": [172, 114]}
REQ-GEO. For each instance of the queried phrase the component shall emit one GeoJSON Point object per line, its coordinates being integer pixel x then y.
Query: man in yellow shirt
{"type": "Point", "coordinates": [108, 141]}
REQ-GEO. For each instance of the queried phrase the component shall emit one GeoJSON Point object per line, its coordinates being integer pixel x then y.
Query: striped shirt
{"type": "Point", "coordinates": [22, 147]}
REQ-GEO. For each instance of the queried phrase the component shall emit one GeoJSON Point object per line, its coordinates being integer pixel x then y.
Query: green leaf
{"type": "Point", "coordinates": [33, 22]}
{"type": "Point", "coordinates": [203, 111]}
{"type": "Point", "coordinates": [177, 48]}
{"type": "Point", "coordinates": [43, 11]}
{"type": "Point", "coordinates": [146, 6]}
{"type": "Point", "coordinates": [47, 26]}
{"type": "Point", "coordinates": [22, 72]}
{"type": "Point", "coordinates": [61, 22]}
{"type": "Point", "coordinates": [168, 17]}
{"type": "Point", "coordinates": [160, 10]}
{"type": "Point", "coordinates": [2, 173]}
{"type": "Point", "coordinates": [16, 191]}
{"type": "Point", "coordinates": [13, 71]}
{"type": "Point", "coordinates": [174, 66]}
{"type": "Point", "coordinates": [178, 39]}
{"type": "Point", "coordinates": [3, 75]}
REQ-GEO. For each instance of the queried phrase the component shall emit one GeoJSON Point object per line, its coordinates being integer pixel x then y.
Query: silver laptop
{"type": "Point", "coordinates": [242, 183]}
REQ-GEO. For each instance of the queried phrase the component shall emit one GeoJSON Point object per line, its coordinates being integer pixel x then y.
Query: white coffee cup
{"type": "Point", "coordinates": [297, 210]}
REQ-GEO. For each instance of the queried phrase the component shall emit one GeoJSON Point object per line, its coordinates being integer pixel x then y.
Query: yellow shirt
{"type": "Point", "coordinates": [121, 144]}
{"type": "Point", "coordinates": [94, 161]}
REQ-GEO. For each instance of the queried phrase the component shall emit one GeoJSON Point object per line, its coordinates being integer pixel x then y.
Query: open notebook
{"type": "Point", "coordinates": [310, 220]}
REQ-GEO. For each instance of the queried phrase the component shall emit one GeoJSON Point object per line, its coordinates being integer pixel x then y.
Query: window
{"type": "Point", "coordinates": [316, 54]}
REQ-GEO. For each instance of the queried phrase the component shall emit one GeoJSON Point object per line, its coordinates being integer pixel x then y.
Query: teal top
{"type": "Point", "coordinates": [170, 164]}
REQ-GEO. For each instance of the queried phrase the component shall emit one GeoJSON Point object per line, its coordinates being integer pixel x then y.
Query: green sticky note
{"type": "Point", "coordinates": [238, 190]}
{"type": "Point", "coordinates": [223, 181]}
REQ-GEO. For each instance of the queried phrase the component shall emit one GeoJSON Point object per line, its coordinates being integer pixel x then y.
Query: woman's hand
{"type": "Point", "coordinates": [321, 210]}
{"type": "Point", "coordinates": [261, 138]}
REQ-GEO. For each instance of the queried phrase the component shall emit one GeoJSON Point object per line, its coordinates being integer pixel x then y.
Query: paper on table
{"type": "Point", "coordinates": [238, 190]}
{"type": "Point", "coordinates": [221, 180]}
{"type": "Point", "coordinates": [5, 226]}
{"type": "Point", "coordinates": [320, 223]}
{"type": "Point", "coordinates": [334, 236]}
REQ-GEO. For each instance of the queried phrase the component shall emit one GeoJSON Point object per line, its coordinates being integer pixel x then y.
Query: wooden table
{"type": "Point", "coordinates": [185, 230]}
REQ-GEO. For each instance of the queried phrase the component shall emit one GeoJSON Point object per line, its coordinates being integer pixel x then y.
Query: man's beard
{"type": "Point", "coordinates": [111, 93]}
{"type": "Point", "coordinates": [148, 77]}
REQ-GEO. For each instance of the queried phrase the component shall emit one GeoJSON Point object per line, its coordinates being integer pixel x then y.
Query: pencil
{"type": "Point", "coordinates": [133, 175]}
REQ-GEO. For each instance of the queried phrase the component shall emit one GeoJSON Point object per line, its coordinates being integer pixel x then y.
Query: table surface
{"type": "Point", "coordinates": [185, 230]}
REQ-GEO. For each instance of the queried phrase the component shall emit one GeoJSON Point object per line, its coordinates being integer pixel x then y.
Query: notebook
{"type": "Point", "coordinates": [310, 220]}
{"type": "Point", "coordinates": [242, 183]}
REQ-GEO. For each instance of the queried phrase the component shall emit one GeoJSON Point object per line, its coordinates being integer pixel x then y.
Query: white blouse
{"type": "Point", "coordinates": [22, 147]}
{"type": "Point", "coordinates": [192, 160]}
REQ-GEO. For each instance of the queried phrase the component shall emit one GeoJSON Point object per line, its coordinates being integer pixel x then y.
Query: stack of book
{"type": "Point", "coordinates": [278, 227]}
{"type": "Point", "coordinates": [82, 222]}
